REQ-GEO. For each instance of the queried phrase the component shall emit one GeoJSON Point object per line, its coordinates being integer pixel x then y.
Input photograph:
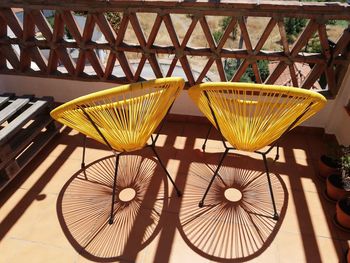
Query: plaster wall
{"type": "Point", "coordinates": [333, 117]}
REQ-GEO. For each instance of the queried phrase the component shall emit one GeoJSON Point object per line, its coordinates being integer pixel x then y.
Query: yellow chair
{"type": "Point", "coordinates": [252, 116]}
{"type": "Point", "coordinates": [123, 118]}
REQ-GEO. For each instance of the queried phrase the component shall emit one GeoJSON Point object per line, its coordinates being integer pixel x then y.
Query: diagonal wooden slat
{"type": "Point", "coordinates": [11, 55]}
{"type": "Point", "coordinates": [205, 70]}
{"type": "Point", "coordinates": [57, 35]}
{"type": "Point", "coordinates": [152, 58]}
{"type": "Point", "coordinates": [67, 60]}
{"type": "Point", "coordinates": [183, 59]}
{"type": "Point", "coordinates": [142, 40]}
{"type": "Point", "coordinates": [95, 63]}
{"type": "Point", "coordinates": [72, 25]}
{"type": "Point", "coordinates": [140, 66]}
{"type": "Point", "coordinates": [105, 27]}
{"type": "Point", "coordinates": [342, 42]}
{"type": "Point", "coordinates": [221, 70]}
{"type": "Point", "coordinates": [329, 69]}
{"type": "Point", "coordinates": [154, 31]}
{"type": "Point", "coordinates": [244, 32]}
{"type": "Point", "coordinates": [183, 45]}
{"type": "Point", "coordinates": [283, 35]}
{"type": "Point", "coordinates": [301, 41]}
{"type": "Point", "coordinates": [230, 27]}
{"type": "Point", "coordinates": [38, 58]}
{"type": "Point", "coordinates": [189, 32]}
{"type": "Point", "coordinates": [42, 24]}
{"type": "Point", "coordinates": [124, 63]}
{"type": "Point", "coordinates": [240, 71]}
{"type": "Point", "coordinates": [122, 29]}
{"type": "Point", "coordinates": [276, 73]}
{"type": "Point", "coordinates": [245, 35]}
{"type": "Point", "coordinates": [208, 35]}
{"type": "Point", "coordinates": [110, 65]}
{"type": "Point", "coordinates": [28, 34]}
{"type": "Point", "coordinates": [293, 75]}
{"type": "Point", "coordinates": [256, 72]}
{"type": "Point", "coordinates": [172, 67]}
{"type": "Point", "coordinates": [304, 37]}
{"type": "Point", "coordinates": [313, 75]}
{"type": "Point", "coordinates": [137, 29]}
{"type": "Point", "coordinates": [3, 33]}
{"type": "Point", "coordinates": [264, 36]}
{"type": "Point", "coordinates": [87, 34]}
{"type": "Point", "coordinates": [12, 21]}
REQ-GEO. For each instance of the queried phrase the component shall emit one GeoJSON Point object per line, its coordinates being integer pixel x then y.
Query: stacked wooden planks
{"type": "Point", "coordinates": [25, 128]}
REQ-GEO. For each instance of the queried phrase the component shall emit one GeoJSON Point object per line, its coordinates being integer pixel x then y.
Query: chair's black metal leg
{"type": "Point", "coordinates": [275, 216]}
{"type": "Point", "coordinates": [206, 138]}
{"type": "Point", "coordinates": [201, 203]}
{"type": "Point", "coordinates": [83, 158]}
{"type": "Point", "coordinates": [277, 153]}
{"type": "Point", "coordinates": [178, 192]}
{"type": "Point", "coordinates": [114, 187]}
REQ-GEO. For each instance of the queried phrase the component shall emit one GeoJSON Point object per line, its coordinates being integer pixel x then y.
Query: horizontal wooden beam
{"type": "Point", "coordinates": [326, 10]}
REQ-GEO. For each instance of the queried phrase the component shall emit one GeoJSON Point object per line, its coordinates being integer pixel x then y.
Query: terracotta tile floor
{"type": "Point", "coordinates": [53, 212]}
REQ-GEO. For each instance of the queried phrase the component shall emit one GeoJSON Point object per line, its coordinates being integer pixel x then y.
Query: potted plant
{"type": "Point", "coordinates": [342, 212]}
{"type": "Point", "coordinates": [338, 184]}
{"type": "Point", "coordinates": [329, 163]}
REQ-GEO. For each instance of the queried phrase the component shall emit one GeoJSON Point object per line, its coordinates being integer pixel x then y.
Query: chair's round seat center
{"type": "Point", "coordinates": [233, 194]}
{"type": "Point", "coordinates": [127, 194]}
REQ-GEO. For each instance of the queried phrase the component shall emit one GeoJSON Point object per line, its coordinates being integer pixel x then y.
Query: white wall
{"type": "Point", "coordinates": [333, 117]}
{"type": "Point", "coordinates": [338, 122]}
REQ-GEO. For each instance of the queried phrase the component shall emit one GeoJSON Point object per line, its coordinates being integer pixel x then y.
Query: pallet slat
{"type": "Point", "coordinates": [28, 129]}
{"type": "Point", "coordinates": [11, 109]}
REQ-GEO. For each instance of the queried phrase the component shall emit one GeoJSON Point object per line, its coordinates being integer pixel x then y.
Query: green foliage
{"type": "Point", "coordinates": [224, 23]}
{"type": "Point", "coordinates": [51, 21]}
{"type": "Point", "coordinates": [293, 27]}
{"type": "Point", "coordinates": [114, 18]}
{"type": "Point", "coordinates": [314, 45]}
{"type": "Point", "coordinates": [217, 36]}
{"type": "Point", "coordinates": [263, 66]}
{"type": "Point", "coordinates": [231, 67]}
{"type": "Point", "coordinates": [345, 161]}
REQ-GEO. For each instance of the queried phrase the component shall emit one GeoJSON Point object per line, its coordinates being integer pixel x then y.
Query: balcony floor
{"type": "Point", "coordinates": [53, 212]}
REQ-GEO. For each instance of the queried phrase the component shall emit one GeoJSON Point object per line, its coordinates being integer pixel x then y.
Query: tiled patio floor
{"type": "Point", "coordinates": [56, 213]}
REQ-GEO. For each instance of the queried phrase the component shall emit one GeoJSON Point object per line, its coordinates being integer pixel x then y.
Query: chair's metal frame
{"type": "Point", "coordinates": [117, 156]}
{"type": "Point", "coordinates": [227, 149]}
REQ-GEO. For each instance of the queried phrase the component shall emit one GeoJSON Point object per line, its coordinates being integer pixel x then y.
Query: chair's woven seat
{"type": "Point", "coordinates": [126, 115]}
{"type": "Point", "coordinates": [251, 116]}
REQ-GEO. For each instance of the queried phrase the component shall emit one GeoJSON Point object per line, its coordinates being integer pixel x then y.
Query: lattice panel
{"type": "Point", "coordinates": [79, 57]}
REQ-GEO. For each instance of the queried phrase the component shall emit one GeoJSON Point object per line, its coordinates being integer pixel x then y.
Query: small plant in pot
{"type": "Point", "coordinates": [338, 184]}
{"type": "Point", "coordinates": [342, 212]}
{"type": "Point", "coordinates": [329, 163]}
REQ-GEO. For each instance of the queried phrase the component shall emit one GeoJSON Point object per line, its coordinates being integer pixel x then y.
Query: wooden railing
{"type": "Point", "coordinates": [21, 51]}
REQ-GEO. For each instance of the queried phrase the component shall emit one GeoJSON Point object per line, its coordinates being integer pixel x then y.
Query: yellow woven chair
{"type": "Point", "coordinates": [123, 118]}
{"type": "Point", "coordinates": [252, 116]}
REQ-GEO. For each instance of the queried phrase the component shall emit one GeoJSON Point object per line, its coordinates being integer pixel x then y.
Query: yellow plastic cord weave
{"type": "Point", "coordinates": [126, 115]}
{"type": "Point", "coordinates": [252, 116]}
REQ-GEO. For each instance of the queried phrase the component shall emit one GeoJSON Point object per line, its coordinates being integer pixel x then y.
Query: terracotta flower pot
{"type": "Point", "coordinates": [342, 212]}
{"type": "Point", "coordinates": [327, 166]}
{"type": "Point", "coordinates": [348, 256]}
{"type": "Point", "coordinates": [334, 187]}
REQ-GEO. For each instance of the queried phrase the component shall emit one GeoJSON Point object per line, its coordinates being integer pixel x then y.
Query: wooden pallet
{"type": "Point", "coordinates": [25, 128]}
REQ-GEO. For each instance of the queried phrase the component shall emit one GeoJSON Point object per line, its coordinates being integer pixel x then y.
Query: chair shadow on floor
{"type": "Point", "coordinates": [84, 204]}
{"type": "Point", "coordinates": [236, 221]}
{"type": "Point", "coordinates": [234, 225]}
